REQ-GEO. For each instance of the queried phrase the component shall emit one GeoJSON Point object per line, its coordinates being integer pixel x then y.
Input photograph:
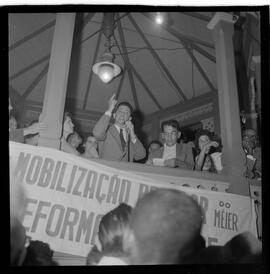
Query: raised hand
{"type": "Point", "coordinates": [112, 103]}
{"type": "Point", "coordinates": [210, 144]}
{"type": "Point", "coordinates": [35, 128]}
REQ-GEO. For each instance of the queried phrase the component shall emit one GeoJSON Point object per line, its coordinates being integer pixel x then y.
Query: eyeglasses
{"type": "Point", "coordinates": [166, 134]}
{"type": "Point", "coordinates": [249, 137]}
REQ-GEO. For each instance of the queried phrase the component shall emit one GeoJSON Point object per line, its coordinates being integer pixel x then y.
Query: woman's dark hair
{"type": "Point", "coordinates": [112, 228]}
{"type": "Point", "coordinates": [198, 134]}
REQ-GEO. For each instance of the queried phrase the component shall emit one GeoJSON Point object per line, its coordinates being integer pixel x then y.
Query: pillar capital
{"type": "Point", "coordinates": [221, 17]}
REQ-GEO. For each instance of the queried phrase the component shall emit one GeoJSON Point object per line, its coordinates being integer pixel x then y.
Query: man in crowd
{"type": "Point", "coordinates": [74, 139]}
{"type": "Point", "coordinates": [172, 154]}
{"type": "Point", "coordinates": [253, 153]}
{"type": "Point", "coordinates": [165, 228]}
{"type": "Point", "coordinates": [17, 134]}
{"type": "Point", "coordinates": [118, 141]}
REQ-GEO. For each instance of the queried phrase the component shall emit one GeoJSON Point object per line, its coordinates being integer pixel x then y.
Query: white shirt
{"type": "Point", "coordinates": [169, 152]}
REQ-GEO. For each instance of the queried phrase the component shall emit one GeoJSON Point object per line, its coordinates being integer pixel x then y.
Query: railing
{"type": "Point", "coordinates": [181, 177]}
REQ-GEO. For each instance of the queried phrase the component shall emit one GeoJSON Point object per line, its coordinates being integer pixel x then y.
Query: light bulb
{"type": "Point", "coordinates": [159, 18]}
{"type": "Point", "coordinates": [106, 73]}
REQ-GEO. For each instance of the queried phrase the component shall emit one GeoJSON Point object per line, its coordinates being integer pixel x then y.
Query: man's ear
{"type": "Point", "coordinates": [179, 134]}
{"type": "Point", "coordinates": [113, 115]}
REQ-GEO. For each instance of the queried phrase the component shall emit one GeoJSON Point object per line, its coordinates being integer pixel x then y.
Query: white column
{"type": "Point", "coordinates": [57, 78]}
{"type": "Point", "coordinates": [257, 68]}
{"type": "Point", "coordinates": [233, 156]}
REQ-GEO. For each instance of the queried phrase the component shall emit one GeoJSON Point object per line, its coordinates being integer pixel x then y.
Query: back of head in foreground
{"type": "Point", "coordinates": [164, 228]}
{"type": "Point", "coordinates": [111, 233]}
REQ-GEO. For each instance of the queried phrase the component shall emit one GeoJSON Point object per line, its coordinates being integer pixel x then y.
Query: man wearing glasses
{"type": "Point", "coordinates": [253, 153]}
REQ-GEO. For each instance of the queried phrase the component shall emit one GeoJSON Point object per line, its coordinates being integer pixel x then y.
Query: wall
{"type": "Point", "coordinates": [202, 109]}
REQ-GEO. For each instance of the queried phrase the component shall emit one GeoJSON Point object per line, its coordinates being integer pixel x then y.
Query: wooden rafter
{"type": "Point", "coordinates": [156, 56]}
{"type": "Point", "coordinates": [192, 38]}
{"type": "Point", "coordinates": [182, 37]}
{"type": "Point", "coordinates": [197, 64]}
{"type": "Point", "coordinates": [25, 69]}
{"type": "Point", "coordinates": [91, 71]}
{"type": "Point", "coordinates": [31, 35]}
{"type": "Point", "coordinates": [14, 94]}
{"type": "Point", "coordinates": [47, 57]}
{"type": "Point", "coordinates": [127, 62]}
{"type": "Point", "coordinates": [82, 22]}
{"type": "Point", "coordinates": [44, 28]}
{"type": "Point", "coordinates": [187, 46]}
{"type": "Point", "coordinates": [198, 16]}
{"type": "Point", "coordinates": [35, 82]}
{"type": "Point", "coordinates": [147, 89]}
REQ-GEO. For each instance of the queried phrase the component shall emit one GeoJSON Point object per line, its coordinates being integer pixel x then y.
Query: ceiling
{"type": "Point", "coordinates": [161, 65]}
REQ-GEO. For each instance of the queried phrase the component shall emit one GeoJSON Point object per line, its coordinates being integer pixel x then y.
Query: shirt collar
{"type": "Point", "coordinates": [169, 147]}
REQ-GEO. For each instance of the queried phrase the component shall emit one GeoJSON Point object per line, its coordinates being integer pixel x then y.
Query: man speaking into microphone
{"type": "Point", "coordinates": [118, 141]}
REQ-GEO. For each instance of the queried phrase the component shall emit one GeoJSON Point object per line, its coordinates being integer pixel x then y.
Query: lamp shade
{"type": "Point", "coordinates": [106, 71]}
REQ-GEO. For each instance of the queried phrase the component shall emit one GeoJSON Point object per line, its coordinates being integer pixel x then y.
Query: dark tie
{"type": "Point", "coordinates": [123, 142]}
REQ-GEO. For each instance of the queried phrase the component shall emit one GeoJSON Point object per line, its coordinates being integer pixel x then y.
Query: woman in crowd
{"type": "Point", "coordinates": [68, 128]}
{"type": "Point", "coordinates": [74, 139]}
{"type": "Point", "coordinates": [207, 159]}
{"type": "Point", "coordinates": [90, 146]}
{"type": "Point", "coordinates": [112, 228]}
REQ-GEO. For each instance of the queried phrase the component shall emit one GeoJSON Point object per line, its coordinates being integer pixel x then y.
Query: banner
{"type": "Point", "coordinates": [67, 196]}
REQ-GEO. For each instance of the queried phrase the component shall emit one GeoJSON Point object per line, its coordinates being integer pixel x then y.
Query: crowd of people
{"type": "Point", "coordinates": [114, 138]}
{"type": "Point", "coordinates": [165, 225]}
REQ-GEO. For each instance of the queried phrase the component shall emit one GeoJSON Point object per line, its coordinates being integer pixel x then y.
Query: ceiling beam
{"type": "Point", "coordinates": [28, 37]}
{"type": "Point", "coordinates": [182, 37]}
{"type": "Point", "coordinates": [82, 22]}
{"type": "Point", "coordinates": [183, 106]}
{"type": "Point", "coordinates": [204, 52]}
{"type": "Point", "coordinates": [91, 71]}
{"type": "Point", "coordinates": [194, 39]}
{"type": "Point", "coordinates": [41, 60]}
{"type": "Point", "coordinates": [188, 47]}
{"type": "Point", "coordinates": [198, 16]}
{"type": "Point", "coordinates": [14, 95]}
{"type": "Point", "coordinates": [139, 78]}
{"type": "Point", "coordinates": [120, 84]}
{"type": "Point", "coordinates": [197, 64]}
{"type": "Point", "coordinates": [31, 35]}
{"type": "Point", "coordinates": [25, 69]}
{"type": "Point", "coordinates": [156, 56]}
{"type": "Point", "coordinates": [147, 89]}
{"type": "Point", "coordinates": [35, 82]}
{"type": "Point", "coordinates": [127, 62]}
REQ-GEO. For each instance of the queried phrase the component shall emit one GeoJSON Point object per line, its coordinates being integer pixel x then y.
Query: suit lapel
{"type": "Point", "coordinates": [114, 132]}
